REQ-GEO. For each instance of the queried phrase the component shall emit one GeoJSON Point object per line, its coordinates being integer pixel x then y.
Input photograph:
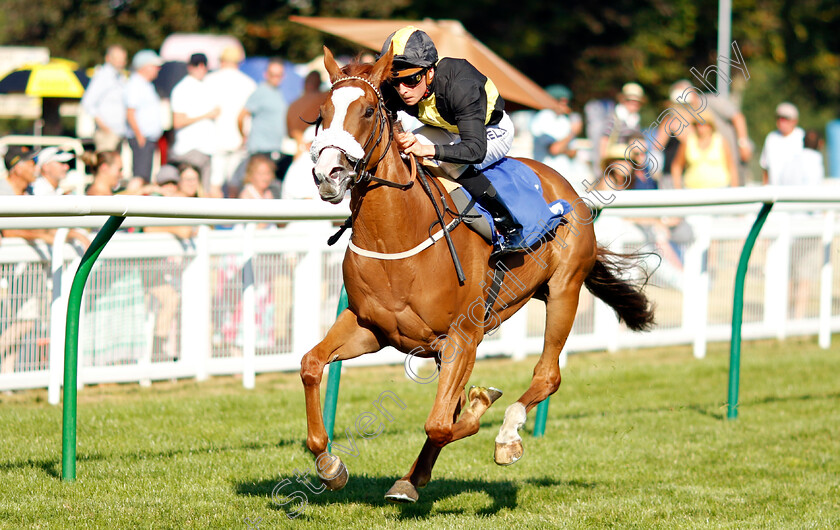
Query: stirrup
{"type": "Point", "coordinates": [506, 247]}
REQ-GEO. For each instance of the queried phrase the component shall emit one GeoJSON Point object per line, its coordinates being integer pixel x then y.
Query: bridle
{"type": "Point", "coordinates": [362, 174]}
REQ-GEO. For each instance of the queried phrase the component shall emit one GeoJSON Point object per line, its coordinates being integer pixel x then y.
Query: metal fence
{"type": "Point", "coordinates": [158, 307]}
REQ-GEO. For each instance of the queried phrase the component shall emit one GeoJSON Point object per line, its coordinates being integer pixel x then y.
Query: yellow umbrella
{"type": "Point", "coordinates": [59, 78]}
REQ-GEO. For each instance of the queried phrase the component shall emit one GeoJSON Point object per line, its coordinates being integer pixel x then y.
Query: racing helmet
{"type": "Point", "coordinates": [413, 49]}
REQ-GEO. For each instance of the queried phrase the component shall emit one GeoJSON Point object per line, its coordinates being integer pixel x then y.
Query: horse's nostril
{"type": "Point", "coordinates": [335, 173]}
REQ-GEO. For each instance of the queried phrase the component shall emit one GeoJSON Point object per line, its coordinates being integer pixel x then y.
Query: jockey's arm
{"type": "Point", "coordinates": [473, 145]}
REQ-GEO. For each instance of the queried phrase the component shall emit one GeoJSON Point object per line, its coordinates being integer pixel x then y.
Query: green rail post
{"type": "Point", "coordinates": [71, 346]}
{"type": "Point", "coordinates": [738, 312]}
{"type": "Point", "coordinates": [334, 378]}
{"type": "Point", "coordinates": [542, 417]}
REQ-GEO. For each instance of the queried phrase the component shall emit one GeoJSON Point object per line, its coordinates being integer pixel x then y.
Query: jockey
{"type": "Point", "coordinates": [465, 126]}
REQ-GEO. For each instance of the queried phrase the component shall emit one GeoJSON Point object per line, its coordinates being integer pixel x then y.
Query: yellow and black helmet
{"type": "Point", "coordinates": [413, 48]}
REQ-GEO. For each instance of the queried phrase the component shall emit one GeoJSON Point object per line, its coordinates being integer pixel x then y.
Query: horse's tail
{"type": "Point", "coordinates": [609, 281]}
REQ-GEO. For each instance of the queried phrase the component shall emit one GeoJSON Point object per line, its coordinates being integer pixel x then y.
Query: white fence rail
{"type": "Point", "coordinates": [253, 299]}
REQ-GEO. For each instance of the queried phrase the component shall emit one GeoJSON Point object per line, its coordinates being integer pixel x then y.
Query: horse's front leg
{"type": "Point", "coordinates": [346, 339]}
{"type": "Point", "coordinates": [447, 422]}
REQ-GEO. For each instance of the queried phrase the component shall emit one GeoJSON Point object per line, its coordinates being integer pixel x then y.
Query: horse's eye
{"type": "Point", "coordinates": [369, 112]}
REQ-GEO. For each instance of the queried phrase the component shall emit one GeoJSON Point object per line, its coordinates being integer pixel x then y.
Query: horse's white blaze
{"type": "Point", "coordinates": [336, 135]}
{"type": "Point", "coordinates": [341, 100]}
{"type": "Point", "coordinates": [515, 417]}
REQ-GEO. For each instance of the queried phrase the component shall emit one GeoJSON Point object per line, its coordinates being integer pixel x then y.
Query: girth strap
{"type": "Point", "coordinates": [493, 294]}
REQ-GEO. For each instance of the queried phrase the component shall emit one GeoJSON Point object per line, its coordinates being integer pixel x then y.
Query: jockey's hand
{"type": "Point", "coordinates": [407, 142]}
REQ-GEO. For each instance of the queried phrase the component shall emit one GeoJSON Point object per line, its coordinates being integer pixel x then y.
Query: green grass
{"type": "Point", "coordinates": [636, 439]}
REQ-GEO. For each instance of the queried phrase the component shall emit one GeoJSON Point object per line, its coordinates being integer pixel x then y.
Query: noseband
{"type": "Point", "coordinates": [374, 139]}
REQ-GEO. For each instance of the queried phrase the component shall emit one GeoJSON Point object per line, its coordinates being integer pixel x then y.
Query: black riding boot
{"type": "Point", "coordinates": [480, 187]}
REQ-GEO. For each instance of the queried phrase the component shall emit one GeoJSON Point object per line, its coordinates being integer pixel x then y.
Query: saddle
{"type": "Point", "coordinates": [520, 190]}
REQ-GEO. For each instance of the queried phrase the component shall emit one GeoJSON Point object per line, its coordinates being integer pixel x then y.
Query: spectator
{"type": "Point", "coordinates": [305, 110]}
{"type": "Point", "coordinates": [168, 185]}
{"type": "Point", "coordinates": [20, 162]}
{"type": "Point", "coordinates": [52, 165]}
{"type": "Point", "coordinates": [167, 181]}
{"type": "Point", "coordinates": [298, 183]}
{"type": "Point", "coordinates": [267, 110]}
{"type": "Point", "coordinates": [782, 148]}
{"type": "Point", "coordinates": [104, 100]}
{"type": "Point", "coordinates": [193, 111]}
{"type": "Point", "coordinates": [107, 171]}
{"type": "Point", "coordinates": [229, 88]}
{"type": "Point", "coordinates": [597, 113]}
{"type": "Point", "coordinates": [625, 121]}
{"type": "Point", "coordinates": [704, 160]}
{"type": "Point", "coordinates": [663, 234]}
{"type": "Point", "coordinates": [259, 173]}
{"type": "Point", "coordinates": [107, 176]}
{"type": "Point", "coordinates": [554, 129]}
{"type": "Point", "coordinates": [730, 122]}
{"type": "Point", "coordinates": [621, 173]}
{"type": "Point", "coordinates": [189, 182]}
{"type": "Point", "coordinates": [810, 164]}
{"type": "Point", "coordinates": [143, 114]}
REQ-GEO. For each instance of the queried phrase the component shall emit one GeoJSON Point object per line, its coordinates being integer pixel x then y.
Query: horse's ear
{"type": "Point", "coordinates": [382, 69]}
{"type": "Point", "coordinates": [331, 65]}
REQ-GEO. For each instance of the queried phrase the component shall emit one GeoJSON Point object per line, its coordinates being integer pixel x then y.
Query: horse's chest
{"type": "Point", "coordinates": [395, 316]}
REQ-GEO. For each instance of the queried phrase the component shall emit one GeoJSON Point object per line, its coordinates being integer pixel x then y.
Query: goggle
{"type": "Point", "coordinates": [410, 81]}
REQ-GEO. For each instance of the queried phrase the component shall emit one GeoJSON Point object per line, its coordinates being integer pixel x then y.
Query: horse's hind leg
{"type": "Point", "coordinates": [561, 306]}
{"type": "Point", "coordinates": [346, 339]}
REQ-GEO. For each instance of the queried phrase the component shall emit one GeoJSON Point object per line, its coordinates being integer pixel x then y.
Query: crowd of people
{"type": "Point", "coordinates": [221, 121]}
{"type": "Point", "coordinates": [708, 149]}
{"type": "Point", "coordinates": [220, 124]}
{"type": "Point", "coordinates": [227, 136]}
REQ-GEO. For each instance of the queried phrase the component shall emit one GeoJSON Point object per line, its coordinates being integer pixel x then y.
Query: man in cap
{"type": "Point", "coordinates": [52, 165]}
{"type": "Point", "coordinates": [782, 147]}
{"type": "Point", "coordinates": [626, 121]}
{"type": "Point", "coordinates": [145, 126]}
{"type": "Point", "coordinates": [465, 126]}
{"type": "Point", "coordinates": [193, 111]}
{"type": "Point", "coordinates": [20, 164]}
{"type": "Point", "coordinates": [230, 88]}
{"type": "Point", "coordinates": [554, 129]}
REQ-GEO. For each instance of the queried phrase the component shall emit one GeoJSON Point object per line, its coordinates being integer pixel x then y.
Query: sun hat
{"type": "Point", "coordinates": [53, 154]}
{"type": "Point", "coordinates": [145, 58]}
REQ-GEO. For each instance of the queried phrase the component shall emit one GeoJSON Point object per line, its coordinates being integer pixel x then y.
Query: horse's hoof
{"type": "Point", "coordinates": [509, 453]}
{"type": "Point", "coordinates": [492, 393]}
{"type": "Point", "coordinates": [402, 492]}
{"type": "Point", "coordinates": [332, 471]}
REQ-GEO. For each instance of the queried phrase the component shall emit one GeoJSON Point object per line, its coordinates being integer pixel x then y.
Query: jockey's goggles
{"type": "Point", "coordinates": [411, 80]}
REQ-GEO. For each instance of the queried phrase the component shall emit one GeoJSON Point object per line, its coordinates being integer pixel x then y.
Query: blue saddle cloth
{"type": "Point", "coordinates": [520, 191]}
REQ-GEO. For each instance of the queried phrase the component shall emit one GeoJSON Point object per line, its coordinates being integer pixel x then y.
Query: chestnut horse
{"type": "Point", "coordinates": [416, 303]}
